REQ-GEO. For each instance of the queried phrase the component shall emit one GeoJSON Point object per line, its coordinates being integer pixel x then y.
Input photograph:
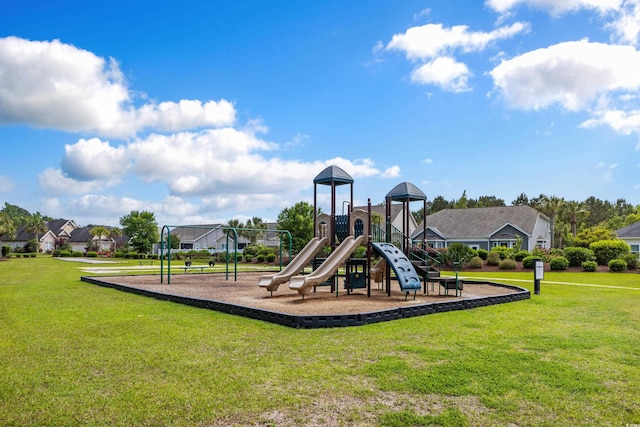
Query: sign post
{"type": "Point", "coordinates": [538, 275]}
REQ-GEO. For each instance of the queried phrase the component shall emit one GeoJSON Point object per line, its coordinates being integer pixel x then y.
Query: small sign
{"type": "Point", "coordinates": [539, 270]}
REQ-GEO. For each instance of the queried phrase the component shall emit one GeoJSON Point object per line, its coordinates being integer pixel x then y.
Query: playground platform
{"type": "Point", "coordinates": [320, 309]}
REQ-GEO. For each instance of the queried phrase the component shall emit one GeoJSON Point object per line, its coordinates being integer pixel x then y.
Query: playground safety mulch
{"type": "Point", "coordinates": [243, 296]}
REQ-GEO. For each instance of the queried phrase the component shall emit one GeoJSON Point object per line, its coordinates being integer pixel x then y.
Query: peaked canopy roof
{"type": "Point", "coordinates": [333, 174]}
{"type": "Point", "coordinates": [406, 191]}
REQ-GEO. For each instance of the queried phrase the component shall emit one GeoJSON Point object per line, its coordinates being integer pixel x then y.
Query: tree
{"type": "Point", "coordinates": [551, 206]}
{"type": "Point", "coordinates": [7, 226]}
{"type": "Point", "coordinates": [298, 220]}
{"type": "Point", "coordinates": [485, 202]}
{"type": "Point", "coordinates": [99, 231]}
{"type": "Point", "coordinates": [142, 229]}
{"type": "Point", "coordinates": [35, 224]}
{"type": "Point", "coordinates": [16, 214]}
{"type": "Point", "coordinates": [574, 212]}
{"type": "Point", "coordinates": [593, 234]}
{"type": "Point", "coordinates": [521, 200]}
{"type": "Point", "coordinates": [461, 203]}
{"type": "Point", "coordinates": [439, 203]}
{"type": "Point", "coordinates": [256, 226]}
{"type": "Point", "coordinates": [114, 233]}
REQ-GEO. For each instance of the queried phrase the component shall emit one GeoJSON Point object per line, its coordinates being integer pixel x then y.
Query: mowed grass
{"type": "Point", "coordinates": [72, 353]}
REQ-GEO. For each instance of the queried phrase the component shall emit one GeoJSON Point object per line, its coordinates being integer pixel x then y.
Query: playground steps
{"type": "Point", "coordinates": [425, 271]}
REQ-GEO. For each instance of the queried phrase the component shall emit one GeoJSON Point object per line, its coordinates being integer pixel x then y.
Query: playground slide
{"type": "Point", "coordinates": [273, 281]}
{"type": "Point", "coordinates": [405, 272]}
{"type": "Point", "coordinates": [303, 284]}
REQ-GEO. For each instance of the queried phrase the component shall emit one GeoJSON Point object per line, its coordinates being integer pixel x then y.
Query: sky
{"type": "Point", "coordinates": [205, 111]}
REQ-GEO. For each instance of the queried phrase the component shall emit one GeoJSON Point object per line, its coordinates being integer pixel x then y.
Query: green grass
{"type": "Point", "coordinates": [78, 354]}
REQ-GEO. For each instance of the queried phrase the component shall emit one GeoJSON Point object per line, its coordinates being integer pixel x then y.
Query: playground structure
{"type": "Point", "coordinates": [345, 233]}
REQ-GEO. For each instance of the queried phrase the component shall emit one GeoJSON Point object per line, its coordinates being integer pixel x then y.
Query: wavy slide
{"type": "Point", "coordinates": [273, 281]}
{"type": "Point", "coordinates": [303, 284]}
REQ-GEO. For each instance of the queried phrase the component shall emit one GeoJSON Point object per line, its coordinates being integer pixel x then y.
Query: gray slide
{"type": "Point", "coordinates": [303, 284]}
{"type": "Point", "coordinates": [273, 281]}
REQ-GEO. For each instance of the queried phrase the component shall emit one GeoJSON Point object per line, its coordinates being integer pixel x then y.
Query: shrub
{"type": "Point", "coordinates": [476, 262]}
{"type": "Point", "coordinates": [141, 256]}
{"type": "Point", "coordinates": [92, 254]}
{"type": "Point", "coordinates": [590, 266]}
{"type": "Point", "coordinates": [631, 260]}
{"type": "Point", "coordinates": [458, 252]}
{"type": "Point", "coordinates": [504, 252]}
{"type": "Point", "coordinates": [507, 264]}
{"type": "Point", "coordinates": [529, 261]}
{"type": "Point", "coordinates": [76, 254]}
{"type": "Point", "coordinates": [260, 258]}
{"type": "Point", "coordinates": [617, 265]}
{"type": "Point", "coordinates": [558, 263]}
{"type": "Point", "coordinates": [554, 252]}
{"type": "Point", "coordinates": [18, 255]}
{"type": "Point", "coordinates": [606, 250]}
{"type": "Point", "coordinates": [271, 257]}
{"type": "Point", "coordinates": [483, 253]}
{"type": "Point", "coordinates": [6, 250]}
{"type": "Point", "coordinates": [520, 255]}
{"type": "Point", "coordinates": [248, 258]}
{"type": "Point", "coordinates": [577, 255]}
{"type": "Point", "coordinates": [65, 254]}
{"type": "Point", "coordinates": [119, 254]}
{"type": "Point", "coordinates": [493, 258]}
{"type": "Point", "coordinates": [153, 256]}
{"type": "Point", "coordinates": [32, 255]}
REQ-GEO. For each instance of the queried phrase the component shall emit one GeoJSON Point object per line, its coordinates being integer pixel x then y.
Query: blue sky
{"type": "Point", "coordinates": [205, 111]}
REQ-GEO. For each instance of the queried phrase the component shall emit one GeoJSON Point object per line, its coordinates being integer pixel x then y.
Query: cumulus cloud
{"type": "Point", "coordinates": [571, 74]}
{"type": "Point", "coordinates": [55, 183]}
{"type": "Point", "coordinates": [51, 84]}
{"type": "Point", "coordinates": [94, 159]}
{"type": "Point", "coordinates": [444, 72]}
{"type": "Point", "coordinates": [392, 172]}
{"type": "Point", "coordinates": [434, 45]}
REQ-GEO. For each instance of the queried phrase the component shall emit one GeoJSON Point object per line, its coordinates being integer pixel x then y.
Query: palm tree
{"type": "Point", "coordinates": [552, 206]}
{"type": "Point", "coordinates": [574, 212]}
{"type": "Point", "coordinates": [256, 224]}
{"type": "Point", "coordinates": [114, 233]}
{"type": "Point", "coordinates": [36, 224]}
{"type": "Point", "coordinates": [99, 231]}
{"type": "Point", "coordinates": [7, 227]}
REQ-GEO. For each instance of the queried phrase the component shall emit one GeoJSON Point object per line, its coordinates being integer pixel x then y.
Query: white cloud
{"type": "Point", "coordinates": [444, 72]}
{"type": "Point", "coordinates": [607, 170]}
{"type": "Point", "coordinates": [94, 159]}
{"type": "Point", "coordinates": [392, 172]}
{"type": "Point", "coordinates": [427, 161]}
{"type": "Point", "coordinates": [623, 122]}
{"type": "Point", "coordinates": [6, 184]}
{"type": "Point", "coordinates": [626, 25]}
{"type": "Point", "coordinates": [554, 7]}
{"type": "Point", "coordinates": [55, 183]}
{"type": "Point", "coordinates": [55, 85]}
{"type": "Point", "coordinates": [572, 74]}
{"type": "Point", "coordinates": [433, 40]}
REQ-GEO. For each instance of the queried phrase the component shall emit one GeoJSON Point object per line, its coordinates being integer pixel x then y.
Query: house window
{"type": "Point", "coordinates": [197, 246]}
{"type": "Point", "coordinates": [475, 247]}
{"type": "Point", "coordinates": [635, 249]}
{"type": "Point", "coordinates": [505, 243]}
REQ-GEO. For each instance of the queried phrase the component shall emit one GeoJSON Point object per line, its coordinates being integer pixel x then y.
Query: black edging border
{"type": "Point", "coordinates": [329, 320]}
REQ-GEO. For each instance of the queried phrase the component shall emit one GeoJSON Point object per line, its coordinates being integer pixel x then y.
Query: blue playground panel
{"type": "Point", "coordinates": [407, 276]}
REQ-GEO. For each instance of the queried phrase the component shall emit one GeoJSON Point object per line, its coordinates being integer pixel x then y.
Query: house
{"type": "Point", "coordinates": [211, 237]}
{"type": "Point", "coordinates": [631, 235]}
{"type": "Point", "coordinates": [58, 232]}
{"type": "Point", "coordinates": [82, 240]}
{"type": "Point", "coordinates": [486, 228]}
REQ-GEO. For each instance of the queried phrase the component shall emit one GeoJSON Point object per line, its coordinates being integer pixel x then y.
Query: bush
{"type": "Point", "coordinates": [119, 254]}
{"type": "Point", "coordinates": [92, 254]}
{"type": "Point", "coordinates": [65, 254]}
{"type": "Point", "coordinates": [558, 263]}
{"type": "Point", "coordinates": [260, 258]}
{"type": "Point", "coordinates": [606, 250]}
{"type": "Point", "coordinates": [520, 255]}
{"type": "Point", "coordinates": [32, 255]}
{"type": "Point", "coordinates": [493, 258]}
{"type": "Point", "coordinates": [18, 255]}
{"type": "Point", "coordinates": [617, 265]}
{"type": "Point", "coordinates": [529, 261]}
{"type": "Point", "coordinates": [248, 258]}
{"type": "Point", "coordinates": [271, 257]}
{"type": "Point", "coordinates": [631, 260]}
{"type": "Point", "coordinates": [577, 255]}
{"type": "Point", "coordinates": [483, 253]}
{"type": "Point", "coordinates": [504, 252]}
{"type": "Point", "coordinates": [507, 264]}
{"type": "Point", "coordinates": [590, 266]}
{"type": "Point", "coordinates": [141, 256]}
{"type": "Point", "coordinates": [476, 262]}
{"type": "Point", "coordinates": [6, 250]}
{"type": "Point", "coordinates": [76, 254]}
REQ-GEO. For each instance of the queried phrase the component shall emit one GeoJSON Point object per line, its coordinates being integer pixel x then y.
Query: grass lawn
{"type": "Point", "coordinates": [76, 354]}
